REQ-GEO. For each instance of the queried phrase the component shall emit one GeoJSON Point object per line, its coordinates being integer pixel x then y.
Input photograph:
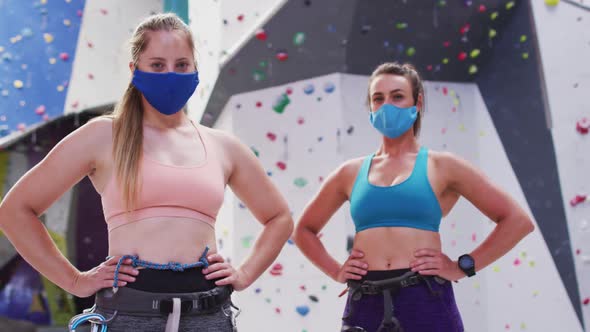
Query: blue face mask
{"type": "Point", "coordinates": [393, 121]}
{"type": "Point", "coordinates": [166, 92]}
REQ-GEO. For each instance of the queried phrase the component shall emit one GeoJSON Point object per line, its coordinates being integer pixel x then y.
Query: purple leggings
{"type": "Point", "coordinates": [415, 307]}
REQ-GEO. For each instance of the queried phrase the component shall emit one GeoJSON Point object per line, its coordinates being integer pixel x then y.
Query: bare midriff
{"type": "Point", "coordinates": [389, 248]}
{"type": "Point", "coordinates": [163, 239]}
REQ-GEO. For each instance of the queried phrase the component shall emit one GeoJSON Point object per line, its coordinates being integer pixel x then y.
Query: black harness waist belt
{"type": "Point", "coordinates": [128, 300]}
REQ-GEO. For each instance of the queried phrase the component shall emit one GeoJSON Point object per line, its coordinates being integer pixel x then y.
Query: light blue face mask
{"type": "Point", "coordinates": [393, 121]}
{"type": "Point", "coordinates": [166, 92]}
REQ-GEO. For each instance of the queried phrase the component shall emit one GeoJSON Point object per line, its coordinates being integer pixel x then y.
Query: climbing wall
{"type": "Point", "coordinates": [100, 72]}
{"type": "Point", "coordinates": [37, 47]}
{"type": "Point", "coordinates": [567, 76]}
{"type": "Point", "coordinates": [221, 28]}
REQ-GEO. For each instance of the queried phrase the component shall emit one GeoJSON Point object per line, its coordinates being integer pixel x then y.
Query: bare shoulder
{"type": "Point", "coordinates": [350, 168]}
{"type": "Point", "coordinates": [444, 159]}
{"type": "Point", "coordinates": [231, 151]}
{"type": "Point", "coordinates": [454, 169]}
{"type": "Point", "coordinates": [342, 179]}
{"type": "Point", "coordinates": [222, 139]}
{"type": "Point", "coordinates": [101, 124]}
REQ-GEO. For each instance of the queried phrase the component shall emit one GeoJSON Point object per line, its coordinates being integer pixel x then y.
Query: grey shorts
{"type": "Point", "coordinates": [220, 321]}
{"type": "Point", "coordinates": [220, 318]}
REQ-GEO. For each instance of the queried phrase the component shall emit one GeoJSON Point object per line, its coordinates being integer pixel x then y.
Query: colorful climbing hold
{"type": "Point", "coordinates": [299, 39]}
{"type": "Point", "coordinates": [583, 126]}
{"type": "Point", "coordinates": [48, 37]}
{"type": "Point", "coordinates": [580, 198]}
{"type": "Point", "coordinates": [260, 34]}
{"type": "Point", "coordinates": [276, 270]}
{"type": "Point", "coordinates": [492, 33]}
{"type": "Point", "coordinates": [300, 182]}
{"type": "Point", "coordinates": [281, 103]}
{"type": "Point", "coordinates": [282, 56]}
{"type": "Point", "coordinates": [40, 110]}
{"type": "Point", "coordinates": [329, 87]}
{"type": "Point", "coordinates": [281, 165]}
{"type": "Point", "coordinates": [303, 310]}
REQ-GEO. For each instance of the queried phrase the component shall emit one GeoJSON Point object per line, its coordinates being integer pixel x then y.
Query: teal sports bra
{"type": "Point", "coordinates": [411, 203]}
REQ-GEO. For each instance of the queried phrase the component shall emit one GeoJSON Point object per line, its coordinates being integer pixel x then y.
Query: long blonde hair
{"type": "Point", "coordinates": [128, 113]}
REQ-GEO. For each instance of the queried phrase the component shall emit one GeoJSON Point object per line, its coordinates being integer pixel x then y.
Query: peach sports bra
{"type": "Point", "coordinates": [194, 192]}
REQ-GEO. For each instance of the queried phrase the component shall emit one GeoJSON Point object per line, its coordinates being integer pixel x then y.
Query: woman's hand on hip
{"type": "Point", "coordinates": [220, 269]}
{"type": "Point", "coordinates": [102, 276]}
{"type": "Point", "coordinates": [354, 268]}
{"type": "Point", "coordinates": [433, 262]}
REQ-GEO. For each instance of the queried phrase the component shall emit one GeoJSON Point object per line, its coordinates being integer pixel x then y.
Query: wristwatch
{"type": "Point", "coordinates": [467, 264]}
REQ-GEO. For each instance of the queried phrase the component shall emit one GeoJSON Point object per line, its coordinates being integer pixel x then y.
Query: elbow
{"type": "Point", "coordinates": [286, 222]}
{"type": "Point", "coordinates": [3, 219]}
{"type": "Point", "coordinates": [290, 225]}
{"type": "Point", "coordinates": [525, 225]}
{"type": "Point", "coordinates": [529, 226]}
{"type": "Point", "coordinates": [6, 216]}
{"type": "Point", "coordinates": [302, 233]}
{"type": "Point", "coordinates": [298, 234]}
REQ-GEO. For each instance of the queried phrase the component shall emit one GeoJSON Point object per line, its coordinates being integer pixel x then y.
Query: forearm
{"type": "Point", "coordinates": [311, 246]}
{"type": "Point", "coordinates": [507, 233]}
{"type": "Point", "coordinates": [275, 234]}
{"type": "Point", "coordinates": [32, 241]}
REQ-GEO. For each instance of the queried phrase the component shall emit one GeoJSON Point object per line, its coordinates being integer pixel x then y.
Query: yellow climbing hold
{"type": "Point", "coordinates": [18, 84]}
{"type": "Point", "coordinates": [48, 37]}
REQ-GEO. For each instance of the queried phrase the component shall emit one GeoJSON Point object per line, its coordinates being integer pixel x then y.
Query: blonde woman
{"type": "Point", "coordinates": [397, 275]}
{"type": "Point", "coordinates": [162, 179]}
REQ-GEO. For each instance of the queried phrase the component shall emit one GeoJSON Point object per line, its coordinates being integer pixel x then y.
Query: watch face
{"type": "Point", "coordinates": [466, 262]}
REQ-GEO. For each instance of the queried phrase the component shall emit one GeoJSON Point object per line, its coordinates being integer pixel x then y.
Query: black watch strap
{"type": "Point", "coordinates": [467, 265]}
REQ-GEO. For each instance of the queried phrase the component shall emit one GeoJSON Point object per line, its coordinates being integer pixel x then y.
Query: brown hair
{"type": "Point", "coordinates": [409, 72]}
{"type": "Point", "coordinates": [128, 113]}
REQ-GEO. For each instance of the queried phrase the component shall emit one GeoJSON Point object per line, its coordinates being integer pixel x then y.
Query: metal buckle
{"type": "Point", "coordinates": [367, 288]}
{"type": "Point", "coordinates": [411, 281]}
